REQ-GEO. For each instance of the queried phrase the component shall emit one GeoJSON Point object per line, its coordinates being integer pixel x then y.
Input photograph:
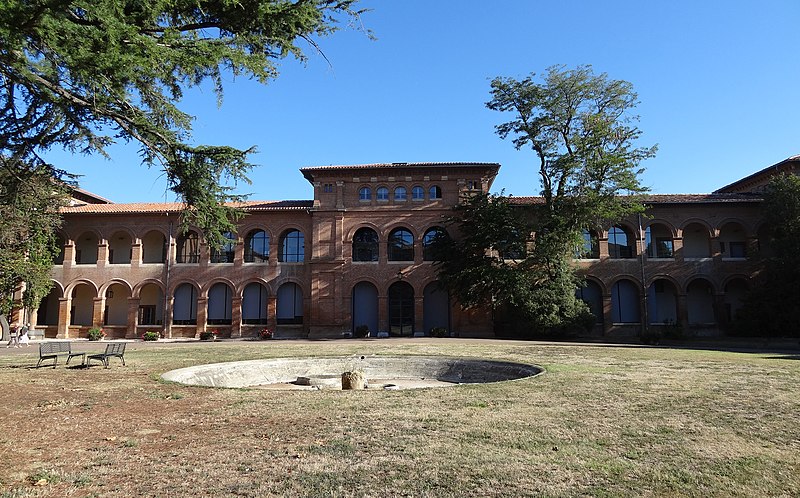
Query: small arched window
{"type": "Point", "coordinates": [382, 194]}
{"type": "Point", "coordinates": [401, 245]}
{"type": "Point", "coordinates": [365, 245]}
{"type": "Point", "coordinates": [400, 194]}
{"type": "Point", "coordinates": [417, 193]}
{"type": "Point", "coordinates": [365, 194]}
{"type": "Point", "coordinates": [435, 192]}
{"type": "Point", "coordinates": [292, 247]}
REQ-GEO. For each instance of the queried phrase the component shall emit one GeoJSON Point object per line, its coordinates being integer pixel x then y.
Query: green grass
{"type": "Point", "coordinates": [603, 421]}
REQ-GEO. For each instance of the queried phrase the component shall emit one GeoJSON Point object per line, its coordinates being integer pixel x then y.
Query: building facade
{"type": "Point", "coordinates": [357, 255]}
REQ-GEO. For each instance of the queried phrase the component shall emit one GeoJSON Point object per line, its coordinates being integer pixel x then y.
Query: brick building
{"type": "Point", "coordinates": [356, 255]}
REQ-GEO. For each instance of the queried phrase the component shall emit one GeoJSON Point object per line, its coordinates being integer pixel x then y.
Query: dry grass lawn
{"type": "Point", "coordinates": [603, 421]}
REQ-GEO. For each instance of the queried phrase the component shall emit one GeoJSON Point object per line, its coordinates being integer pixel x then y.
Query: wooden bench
{"type": "Point", "coordinates": [112, 350]}
{"type": "Point", "coordinates": [48, 350]}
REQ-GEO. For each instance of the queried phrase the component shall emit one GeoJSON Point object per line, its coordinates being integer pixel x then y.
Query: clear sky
{"type": "Point", "coordinates": [718, 81]}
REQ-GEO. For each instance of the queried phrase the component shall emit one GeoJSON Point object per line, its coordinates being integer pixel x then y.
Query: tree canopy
{"type": "Point", "coordinates": [582, 131]}
{"type": "Point", "coordinates": [772, 308]}
{"type": "Point", "coordinates": [28, 222]}
{"type": "Point", "coordinates": [81, 74]}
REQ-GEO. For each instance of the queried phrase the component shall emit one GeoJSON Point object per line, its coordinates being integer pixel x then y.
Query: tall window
{"type": "Point", "coordinates": [225, 253]}
{"type": "Point", "coordinates": [184, 308]}
{"type": "Point", "coordinates": [365, 245]}
{"type": "Point", "coordinates": [400, 194]}
{"type": "Point", "coordinates": [188, 248]}
{"type": "Point", "coordinates": [256, 247]}
{"type": "Point", "coordinates": [431, 237]}
{"type": "Point", "coordinates": [254, 304]}
{"type": "Point", "coordinates": [382, 194]}
{"type": "Point", "coordinates": [401, 309]}
{"type": "Point", "coordinates": [364, 194]}
{"type": "Point", "coordinates": [417, 193]}
{"type": "Point", "coordinates": [435, 192]}
{"type": "Point", "coordinates": [620, 243]}
{"type": "Point", "coordinates": [292, 247]}
{"type": "Point", "coordinates": [219, 305]}
{"type": "Point", "coordinates": [401, 245]}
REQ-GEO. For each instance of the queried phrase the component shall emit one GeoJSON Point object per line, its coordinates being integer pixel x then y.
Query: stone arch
{"type": "Point", "coordinates": [239, 289]}
{"type": "Point", "coordinates": [49, 306]}
{"type": "Point", "coordinates": [290, 303]}
{"type": "Point", "coordinates": [625, 301]}
{"type": "Point", "coordinates": [732, 238]}
{"type": "Point", "coordinates": [219, 302]}
{"type": "Point", "coordinates": [400, 299]}
{"type": "Point", "coordinates": [184, 303]}
{"type": "Point", "coordinates": [137, 289]}
{"type": "Point", "coordinates": [622, 241]}
{"type": "Point", "coordinates": [664, 223]}
{"type": "Point", "coordinates": [592, 294]}
{"type": "Point", "coordinates": [82, 295]}
{"type": "Point", "coordinates": [351, 231]}
{"type": "Point", "coordinates": [700, 301]}
{"type": "Point", "coordinates": [659, 239]}
{"type": "Point", "coordinates": [735, 288]}
{"type": "Point", "coordinates": [154, 246]}
{"type": "Point", "coordinates": [116, 281]}
{"type": "Point", "coordinates": [115, 294]}
{"type": "Point", "coordinates": [214, 281]}
{"type": "Point", "coordinates": [364, 304]}
{"type": "Point", "coordinates": [662, 300]}
{"type": "Point", "coordinates": [255, 296]}
{"type": "Point", "coordinates": [697, 235]}
{"type": "Point", "coordinates": [87, 247]}
{"type": "Point", "coordinates": [150, 294]}
{"type": "Point", "coordinates": [435, 307]}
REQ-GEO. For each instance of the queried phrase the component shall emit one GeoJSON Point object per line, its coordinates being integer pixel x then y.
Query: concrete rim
{"type": "Point", "coordinates": [442, 369]}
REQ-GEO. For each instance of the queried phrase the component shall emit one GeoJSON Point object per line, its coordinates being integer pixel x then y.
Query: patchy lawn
{"type": "Point", "coordinates": [602, 421]}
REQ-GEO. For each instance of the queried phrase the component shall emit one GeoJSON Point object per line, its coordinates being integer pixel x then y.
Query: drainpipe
{"type": "Point", "coordinates": [645, 315]}
{"type": "Point", "coordinates": [166, 283]}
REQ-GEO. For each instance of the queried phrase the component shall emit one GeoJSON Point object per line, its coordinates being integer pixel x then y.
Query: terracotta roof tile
{"type": "Point", "coordinates": [666, 199]}
{"type": "Point", "coordinates": [308, 171]}
{"type": "Point", "coordinates": [176, 207]}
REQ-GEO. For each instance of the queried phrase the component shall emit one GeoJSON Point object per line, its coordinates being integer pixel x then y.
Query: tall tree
{"type": "Point", "coordinates": [772, 308]}
{"type": "Point", "coordinates": [80, 74]}
{"type": "Point", "coordinates": [582, 130]}
{"type": "Point", "coordinates": [29, 202]}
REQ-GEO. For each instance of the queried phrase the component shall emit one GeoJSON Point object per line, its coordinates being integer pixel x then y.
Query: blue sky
{"type": "Point", "coordinates": [719, 85]}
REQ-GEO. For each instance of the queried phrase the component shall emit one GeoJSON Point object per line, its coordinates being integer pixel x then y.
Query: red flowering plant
{"type": "Point", "coordinates": [265, 333]}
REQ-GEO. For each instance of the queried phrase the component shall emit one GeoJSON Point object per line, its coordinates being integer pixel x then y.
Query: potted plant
{"type": "Point", "coordinates": [208, 335]}
{"type": "Point", "coordinates": [95, 334]}
{"type": "Point", "coordinates": [150, 336]}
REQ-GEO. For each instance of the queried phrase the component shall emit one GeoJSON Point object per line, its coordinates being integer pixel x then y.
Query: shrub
{"type": "Point", "coordinates": [362, 331]}
{"type": "Point", "coordinates": [264, 334]}
{"type": "Point", "coordinates": [95, 334]}
{"type": "Point", "coordinates": [150, 336]}
{"type": "Point", "coordinates": [439, 332]}
{"type": "Point", "coordinates": [208, 335]}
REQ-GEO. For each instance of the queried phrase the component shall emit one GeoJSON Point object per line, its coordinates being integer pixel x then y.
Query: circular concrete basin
{"type": "Point", "coordinates": [388, 372]}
